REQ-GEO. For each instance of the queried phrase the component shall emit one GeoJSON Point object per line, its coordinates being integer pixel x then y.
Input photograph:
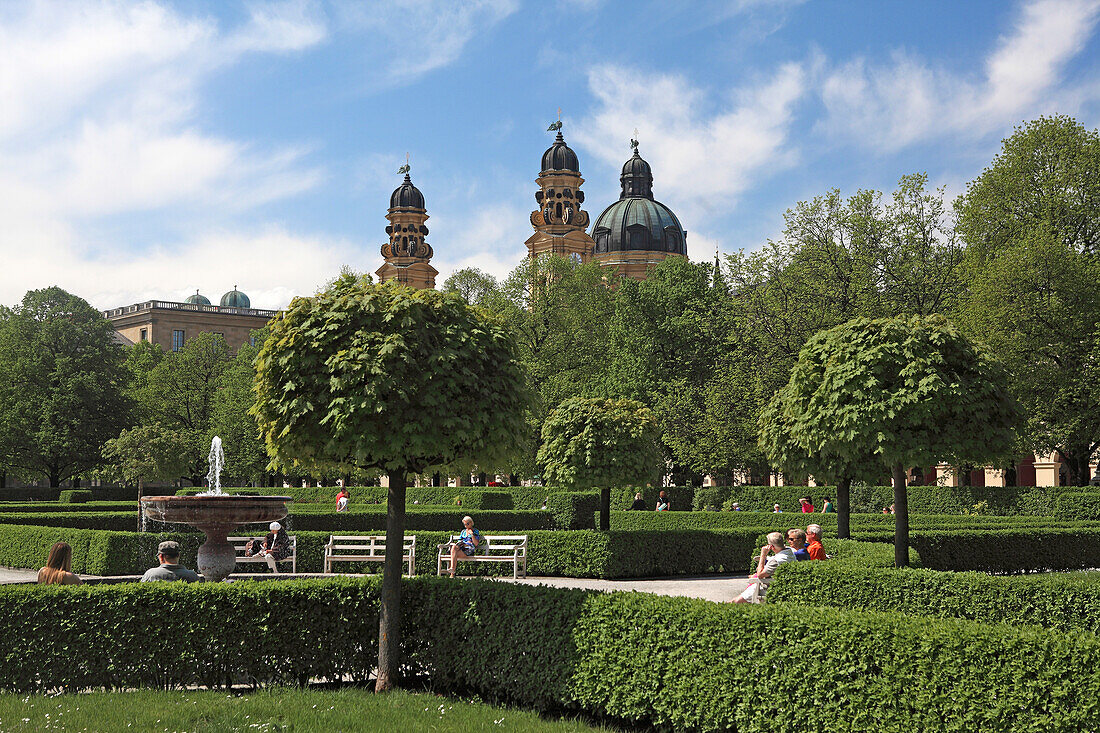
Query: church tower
{"type": "Point", "coordinates": [560, 222]}
{"type": "Point", "coordinates": [407, 255]}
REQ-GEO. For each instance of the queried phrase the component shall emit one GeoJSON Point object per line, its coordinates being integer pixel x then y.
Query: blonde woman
{"type": "Point", "coordinates": [468, 542]}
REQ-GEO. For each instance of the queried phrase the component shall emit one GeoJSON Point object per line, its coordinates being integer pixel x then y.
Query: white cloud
{"type": "Point", "coordinates": [490, 239]}
{"type": "Point", "coordinates": [419, 36]}
{"type": "Point", "coordinates": [281, 26]}
{"type": "Point", "coordinates": [907, 100]}
{"type": "Point", "coordinates": [704, 152]}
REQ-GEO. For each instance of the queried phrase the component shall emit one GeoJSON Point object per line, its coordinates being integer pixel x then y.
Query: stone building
{"type": "Point", "coordinates": [560, 222]}
{"type": "Point", "coordinates": [407, 256]}
{"type": "Point", "coordinates": [171, 324]}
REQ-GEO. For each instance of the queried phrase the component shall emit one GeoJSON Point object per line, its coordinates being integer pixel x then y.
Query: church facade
{"type": "Point", "coordinates": [629, 237]}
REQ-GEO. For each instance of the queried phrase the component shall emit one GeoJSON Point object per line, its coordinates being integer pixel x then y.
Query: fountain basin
{"type": "Point", "coordinates": [216, 517]}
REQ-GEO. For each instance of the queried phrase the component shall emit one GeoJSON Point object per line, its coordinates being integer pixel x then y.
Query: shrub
{"type": "Point", "coordinates": [1009, 550]}
{"type": "Point", "coordinates": [75, 496]}
{"type": "Point", "coordinates": [574, 509]}
{"type": "Point", "coordinates": [29, 493]}
{"type": "Point", "coordinates": [1062, 602]}
{"type": "Point", "coordinates": [681, 498]}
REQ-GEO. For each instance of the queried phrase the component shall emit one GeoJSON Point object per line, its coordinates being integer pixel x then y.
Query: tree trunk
{"type": "Point", "coordinates": [141, 492]}
{"type": "Point", "coordinates": [389, 616]}
{"type": "Point", "coordinates": [605, 508]}
{"type": "Point", "coordinates": [3, 479]}
{"type": "Point", "coordinates": [844, 508]}
{"type": "Point", "coordinates": [55, 479]}
{"type": "Point", "coordinates": [901, 519]}
{"type": "Point", "coordinates": [1077, 465]}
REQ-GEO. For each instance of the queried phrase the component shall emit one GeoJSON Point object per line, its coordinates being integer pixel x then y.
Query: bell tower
{"type": "Point", "coordinates": [406, 253]}
{"type": "Point", "coordinates": [560, 222]}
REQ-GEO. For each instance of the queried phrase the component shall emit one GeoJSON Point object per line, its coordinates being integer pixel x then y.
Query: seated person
{"type": "Point", "coordinates": [796, 539]}
{"type": "Point", "coordinates": [662, 501]}
{"type": "Point", "coordinates": [342, 500]}
{"type": "Point", "coordinates": [276, 546]}
{"type": "Point", "coordinates": [168, 553]}
{"type": "Point", "coordinates": [776, 509]}
{"type": "Point", "coordinates": [469, 540]}
{"type": "Point", "coordinates": [766, 566]}
{"type": "Point", "coordinates": [639, 503]}
{"type": "Point", "coordinates": [59, 565]}
{"type": "Point", "coordinates": [814, 548]}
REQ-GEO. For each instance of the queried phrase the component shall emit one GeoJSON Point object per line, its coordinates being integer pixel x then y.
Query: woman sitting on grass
{"type": "Point", "coordinates": [58, 567]}
{"type": "Point", "coordinates": [468, 543]}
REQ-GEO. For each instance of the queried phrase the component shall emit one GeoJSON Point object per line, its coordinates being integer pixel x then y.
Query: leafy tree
{"type": "Point", "coordinates": [245, 455]}
{"type": "Point", "coordinates": [1037, 305]}
{"type": "Point", "coordinates": [1046, 178]}
{"type": "Point", "coordinates": [589, 442]}
{"type": "Point", "coordinates": [145, 453]}
{"type": "Point", "coordinates": [898, 391]}
{"type": "Point", "coordinates": [387, 377]}
{"type": "Point", "coordinates": [61, 384]}
{"type": "Point", "coordinates": [472, 285]}
{"type": "Point", "coordinates": [181, 393]}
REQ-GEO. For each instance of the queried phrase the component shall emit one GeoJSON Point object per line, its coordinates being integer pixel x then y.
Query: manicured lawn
{"type": "Point", "coordinates": [349, 709]}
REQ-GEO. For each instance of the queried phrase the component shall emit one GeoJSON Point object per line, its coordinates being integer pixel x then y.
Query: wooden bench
{"type": "Point", "coordinates": [498, 548]}
{"type": "Point", "coordinates": [368, 548]}
{"type": "Point", "coordinates": [239, 545]}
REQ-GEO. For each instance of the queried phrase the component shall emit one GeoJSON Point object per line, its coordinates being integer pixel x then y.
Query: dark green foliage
{"type": "Point", "coordinates": [651, 661]}
{"type": "Point", "coordinates": [680, 498]}
{"type": "Point", "coordinates": [29, 493]}
{"type": "Point", "coordinates": [75, 496]}
{"type": "Point", "coordinates": [1061, 602]}
{"type": "Point", "coordinates": [1009, 550]}
{"type": "Point", "coordinates": [574, 509]}
{"type": "Point", "coordinates": [120, 493]}
{"type": "Point", "coordinates": [1078, 505]}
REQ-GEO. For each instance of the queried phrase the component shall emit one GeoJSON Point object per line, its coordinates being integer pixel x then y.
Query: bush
{"type": "Point", "coordinates": [75, 496]}
{"type": "Point", "coordinates": [648, 661]}
{"type": "Point", "coordinates": [1078, 505]}
{"type": "Point", "coordinates": [30, 493]}
{"type": "Point", "coordinates": [121, 493]}
{"type": "Point", "coordinates": [1062, 602]}
{"type": "Point", "coordinates": [1009, 550]}
{"type": "Point", "coordinates": [574, 509]}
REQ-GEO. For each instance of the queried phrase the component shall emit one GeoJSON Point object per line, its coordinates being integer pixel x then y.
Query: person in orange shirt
{"type": "Point", "coordinates": [813, 542]}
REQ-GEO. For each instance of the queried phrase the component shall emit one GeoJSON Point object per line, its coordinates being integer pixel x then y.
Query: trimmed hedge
{"type": "Point", "coordinates": [75, 496]}
{"type": "Point", "coordinates": [574, 509]}
{"type": "Point", "coordinates": [646, 660]}
{"type": "Point", "coordinates": [1009, 550]}
{"type": "Point", "coordinates": [29, 493]}
{"type": "Point", "coordinates": [1062, 602]}
{"type": "Point", "coordinates": [45, 507]}
{"type": "Point", "coordinates": [1038, 501]}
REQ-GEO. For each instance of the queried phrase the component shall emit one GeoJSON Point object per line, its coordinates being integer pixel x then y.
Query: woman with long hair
{"type": "Point", "coordinates": [59, 566]}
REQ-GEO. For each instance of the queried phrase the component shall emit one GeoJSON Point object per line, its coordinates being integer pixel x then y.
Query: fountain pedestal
{"type": "Point", "coordinates": [216, 517]}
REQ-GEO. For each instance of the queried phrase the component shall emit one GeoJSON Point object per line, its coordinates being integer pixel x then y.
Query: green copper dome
{"type": "Point", "coordinates": [235, 299]}
{"type": "Point", "coordinates": [636, 221]}
{"type": "Point", "coordinates": [197, 299]}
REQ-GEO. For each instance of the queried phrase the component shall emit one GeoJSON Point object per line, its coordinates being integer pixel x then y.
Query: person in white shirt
{"type": "Point", "coordinates": [765, 568]}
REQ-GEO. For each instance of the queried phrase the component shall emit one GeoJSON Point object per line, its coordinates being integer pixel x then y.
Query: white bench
{"type": "Point", "coordinates": [239, 545]}
{"type": "Point", "coordinates": [368, 548]}
{"type": "Point", "coordinates": [509, 548]}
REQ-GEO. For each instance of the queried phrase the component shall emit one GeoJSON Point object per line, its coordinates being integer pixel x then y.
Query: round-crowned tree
{"type": "Point", "coordinates": [592, 442]}
{"type": "Point", "coordinates": [895, 392]}
{"type": "Point", "coordinates": [391, 378]}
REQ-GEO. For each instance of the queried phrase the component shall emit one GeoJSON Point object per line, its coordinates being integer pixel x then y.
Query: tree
{"type": "Point", "coordinates": [181, 393]}
{"type": "Point", "coordinates": [1046, 177]}
{"type": "Point", "coordinates": [1037, 305]}
{"type": "Point", "coordinates": [472, 285]}
{"type": "Point", "coordinates": [387, 377]}
{"type": "Point", "coordinates": [145, 453]}
{"type": "Point", "coordinates": [595, 442]}
{"type": "Point", "coordinates": [245, 455]}
{"type": "Point", "coordinates": [897, 391]}
{"type": "Point", "coordinates": [61, 384]}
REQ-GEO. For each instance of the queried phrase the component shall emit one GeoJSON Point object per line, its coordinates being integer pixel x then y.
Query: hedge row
{"type": "Point", "coordinates": [99, 493]}
{"type": "Point", "coordinates": [41, 507]}
{"type": "Point", "coordinates": [646, 660]}
{"type": "Point", "coordinates": [1062, 602]}
{"type": "Point", "coordinates": [1038, 501]}
{"type": "Point", "coordinates": [1009, 550]}
{"type": "Point", "coordinates": [579, 553]}
{"type": "Point", "coordinates": [75, 496]}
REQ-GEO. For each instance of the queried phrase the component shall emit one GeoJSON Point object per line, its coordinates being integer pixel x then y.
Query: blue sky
{"type": "Point", "coordinates": [149, 149]}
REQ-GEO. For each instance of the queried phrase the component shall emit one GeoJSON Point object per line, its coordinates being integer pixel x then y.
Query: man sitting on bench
{"type": "Point", "coordinates": [468, 543]}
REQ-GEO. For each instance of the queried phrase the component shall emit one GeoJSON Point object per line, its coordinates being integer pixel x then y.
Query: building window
{"type": "Point", "coordinates": [144, 334]}
{"type": "Point", "coordinates": [177, 340]}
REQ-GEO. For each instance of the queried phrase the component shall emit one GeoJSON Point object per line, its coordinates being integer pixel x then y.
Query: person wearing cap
{"type": "Point", "coordinates": [168, 553]}
{"type": "Point", "coordinates": [276, 546]}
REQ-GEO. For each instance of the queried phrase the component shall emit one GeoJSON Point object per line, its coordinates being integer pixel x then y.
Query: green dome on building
{"type": "Point", "coordinates": [235, 299]}
{"type": "Point", "coordinates": [197, 299]}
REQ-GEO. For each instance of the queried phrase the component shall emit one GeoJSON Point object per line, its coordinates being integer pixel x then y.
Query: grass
{"type": "Point", "coordinates": [267, 711]}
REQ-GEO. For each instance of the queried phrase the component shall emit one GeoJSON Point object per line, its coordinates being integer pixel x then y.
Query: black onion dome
{"type": "Point", "coordinates": [636, 221]}
{"type": "Point", "coordinates": [407, 196]}
{"type": "Point", "coordinates": [560, 157]}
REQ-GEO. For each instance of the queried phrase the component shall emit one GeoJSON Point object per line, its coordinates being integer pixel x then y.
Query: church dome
{"type": "Point", "coordinates": [560, 157]}
{"type": "Point", "coordinates": [197, 299]}
{"type": "Point", "coordinates": [407, 196]}
{"type": "Point", "coordinates": [636, 221]}
{"type": "Point", "coordinates": [235, 299]}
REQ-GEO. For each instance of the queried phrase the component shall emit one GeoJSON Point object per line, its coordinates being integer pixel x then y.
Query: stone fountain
{"type": "Point", "coordinates": [216, 514]}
